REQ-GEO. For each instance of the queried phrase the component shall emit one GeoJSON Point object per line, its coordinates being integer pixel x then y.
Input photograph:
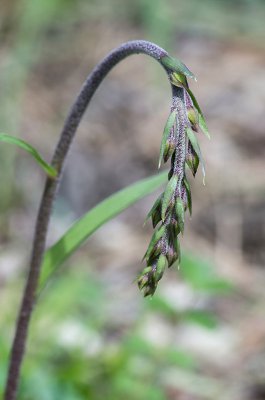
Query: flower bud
{"type": "Point", "coordinates": [170, 147]}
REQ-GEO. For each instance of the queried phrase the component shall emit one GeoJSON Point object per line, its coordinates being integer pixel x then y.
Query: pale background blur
{"type": "Point", "coordinates": [93, 336]}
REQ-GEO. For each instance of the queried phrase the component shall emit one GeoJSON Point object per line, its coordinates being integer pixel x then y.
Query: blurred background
{"type": "Point", "coordinates": [93, 336]}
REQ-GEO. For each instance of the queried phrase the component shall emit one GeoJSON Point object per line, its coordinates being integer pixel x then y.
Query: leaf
{"type": "Point", "coordinates": [93, 220]}
{"type": "Point", "coordinates": [50, 171]}
{"type": "Point", "coordinates": [202, 122]}
{"type": "Point", "coordinates": [180, 214]}
{"type": "Point", "coordinates": [180, 358]}
{"type": "Point", "coordinates": [163, 306]}
{"type": "Point", "coordinates": [202, 276]}
{"type": "Point", "coordinates": [169, 125]}
{"type": "Point", "coordinates": [196, 147]}
{"type": "Point", "coordinates": [177, 66]}
{"type": "Point", "coordinates": [169, 191]}
{"type": "Point", "coordinates": [201, 317]}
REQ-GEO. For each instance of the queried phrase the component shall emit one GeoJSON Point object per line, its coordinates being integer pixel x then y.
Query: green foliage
{"type": "Point", "coordinates": [201, 317]}
{"type": "Point", "coordinates": [90, 222]}
{"type": "Point", "coordinates": [31, 150]}
{"type": "Point", "coordinates": [201, 276]}
{"type": "Point", "coordinates": [76, 356]}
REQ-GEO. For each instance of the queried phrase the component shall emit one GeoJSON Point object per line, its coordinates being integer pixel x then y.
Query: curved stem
{"type": "Point", "coordinates": [49, 194]}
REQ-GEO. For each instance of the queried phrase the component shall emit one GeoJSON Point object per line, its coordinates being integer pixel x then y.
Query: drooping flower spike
{"type": "Point", "coordinates": [180, 143]}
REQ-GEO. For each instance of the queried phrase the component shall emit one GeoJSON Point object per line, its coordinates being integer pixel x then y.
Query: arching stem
{"type": "Point", "coordinates": [51, 186]}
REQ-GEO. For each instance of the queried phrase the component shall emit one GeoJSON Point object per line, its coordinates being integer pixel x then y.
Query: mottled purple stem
{"type": "Point", "coordinates": [51, 186]}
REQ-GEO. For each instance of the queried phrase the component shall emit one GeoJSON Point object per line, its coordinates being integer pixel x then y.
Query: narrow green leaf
{"type": "Point", "coordinates": [202, 122]}
{"type": "Point", "coordinates": [169, 125]}
{"type": "Point", "coordinates": [94, 219]}
{"type": "Point", "coordinates": [196, 147]}
{"type": "Point", "coordinates": [32, 151]}
{"type": "Point", "coordinates": [180, 214]}
{"type": "Point", "coordinates": [177, 66]}
{"type": "Point", "coordinates": [169, 191]}
{"type": "Point", "coordinates": [201, 317]}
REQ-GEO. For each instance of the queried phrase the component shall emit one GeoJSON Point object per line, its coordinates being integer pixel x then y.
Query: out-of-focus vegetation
{"type": "Point", "coordinates": [79, 349]}
{"type": "Point", "coordinates": [92, 336]}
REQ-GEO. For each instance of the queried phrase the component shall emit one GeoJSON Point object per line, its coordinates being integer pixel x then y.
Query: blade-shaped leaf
{"type": "Point", "coordinates": [94, 219]}
{"type": "Point", "coordinates": [169, 125]}
{"type": "Point", "coordinates": [195, 144]}
{"type": "Point", "coordinates": [32, 151]}
{"type": "Point", "coordinates": [177, 66]}
{"type": "Point", "coordinates": [202, 122]}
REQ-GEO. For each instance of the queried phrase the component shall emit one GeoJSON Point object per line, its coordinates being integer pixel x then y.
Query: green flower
{"type": "Point", "coordinates": [180, 144]}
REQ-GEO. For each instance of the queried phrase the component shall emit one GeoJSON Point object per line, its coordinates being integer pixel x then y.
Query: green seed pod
{"type": "Point", "coordinates": [202, 122]}
{"type": "Point", "coordinates": [170, 147]}
{"type": "Point", "coordinates": [177, 66]}
{"type": "Point", "coordinates": [160, 267]}
{"type": "Point", "coordinates": [177, 249]}
{"type": "Point", "coordinates": [196, 147]}
{"type": "Point", "coordinates": [167, 198]}
{"type": "Point", "coordinates": [193, 117]}
{"type": "Point", "coordinates": [143, 278]}
{"type": "Point", "coordinates": [155, 238]}
{"type": "Point", "coordinates": [180, 214]}
{"type": "Point", "coordinates": [188, 191]}
{"type": "Point", "coordinates": [156, 207]}
{"type": "Point", "coordinates": [192, 159]}
{"type": "Point", "coordinates": [156, 217]}
{"type": "Point", "coordinates": [167, 131]}
{"type": "Point", "coordinates": [150, 289]}
{"type": "Point", "coordinates": [142, 281]}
